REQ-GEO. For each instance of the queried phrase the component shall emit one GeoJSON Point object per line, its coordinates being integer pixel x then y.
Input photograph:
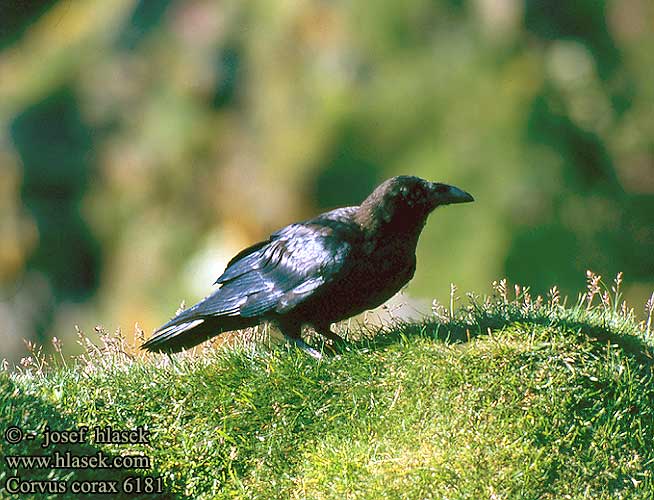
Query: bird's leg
{"type": "Point", "coordinates": [305, 347]}
{"type": "Point", "coordinates": [292, 333]}
{"type": "Point", "coordinates": [325, 331]}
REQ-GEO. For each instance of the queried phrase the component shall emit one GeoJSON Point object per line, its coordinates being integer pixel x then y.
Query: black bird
{"type": "Point", "coordinates": [319, 271]}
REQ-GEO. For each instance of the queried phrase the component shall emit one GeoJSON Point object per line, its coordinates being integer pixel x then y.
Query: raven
{"type": "Point", "coordinates": [319, 271]}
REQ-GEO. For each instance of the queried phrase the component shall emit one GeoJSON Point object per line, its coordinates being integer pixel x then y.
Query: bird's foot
{"type": "Point", "coordinates": [306, 348]}
{"type": "Point", "coordinates": [338, 343]}
{"type": "Point", "coordinates": [336, 347]}
{"type": "Point", "coordinates": [331, 349]}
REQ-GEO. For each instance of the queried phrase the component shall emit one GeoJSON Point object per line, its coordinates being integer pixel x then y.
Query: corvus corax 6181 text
{"type": "Point", "coordinates": [317, 272]}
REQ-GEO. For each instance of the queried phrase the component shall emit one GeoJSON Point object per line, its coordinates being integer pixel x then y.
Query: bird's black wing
{"type": "Point", "coordinates": [277, 275]}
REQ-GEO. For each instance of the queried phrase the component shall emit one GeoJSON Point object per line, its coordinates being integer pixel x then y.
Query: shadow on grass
{"type": "Point", "coordinates": [32, 414]}
{"type": "Point", "coordinates": [458, 331]}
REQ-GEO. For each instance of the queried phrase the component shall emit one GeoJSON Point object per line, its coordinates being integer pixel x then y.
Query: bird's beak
{"type": "Point", "coordinates": [453, 195]}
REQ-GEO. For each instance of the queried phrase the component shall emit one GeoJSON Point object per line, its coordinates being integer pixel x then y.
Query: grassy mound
{"type": "Point", "coordinates": [510, 398]}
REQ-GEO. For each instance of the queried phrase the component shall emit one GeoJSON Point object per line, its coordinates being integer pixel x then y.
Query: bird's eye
{"type": "Point", "coordinates": [442, 188]}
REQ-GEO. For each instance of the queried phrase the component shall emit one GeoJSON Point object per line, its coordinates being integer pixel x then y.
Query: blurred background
{"type": "Point", "coordinates": [142, 143]}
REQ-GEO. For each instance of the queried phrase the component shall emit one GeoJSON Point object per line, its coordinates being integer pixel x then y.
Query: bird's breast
{"type": "Point", "coordinates": [373, 279]}
{"type": "Point", "coordinates": [387, 269]}
{"type": "Point", "coordinates": [375, 272]}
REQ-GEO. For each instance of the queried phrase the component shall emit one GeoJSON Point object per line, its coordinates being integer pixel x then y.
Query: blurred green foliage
{"type": "Point", "coordinates": [144, 142]}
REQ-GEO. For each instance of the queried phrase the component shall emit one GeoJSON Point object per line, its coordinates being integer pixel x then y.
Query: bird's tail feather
{"type": "Point", "coordinates": [179, 334]}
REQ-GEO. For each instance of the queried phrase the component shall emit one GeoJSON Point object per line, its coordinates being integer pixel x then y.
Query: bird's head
{"type": "Point", "coordinates": [406, 201]}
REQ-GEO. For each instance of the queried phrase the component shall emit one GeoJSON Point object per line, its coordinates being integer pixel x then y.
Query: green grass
{"type": "Point", "coordinates": [511, 398]}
